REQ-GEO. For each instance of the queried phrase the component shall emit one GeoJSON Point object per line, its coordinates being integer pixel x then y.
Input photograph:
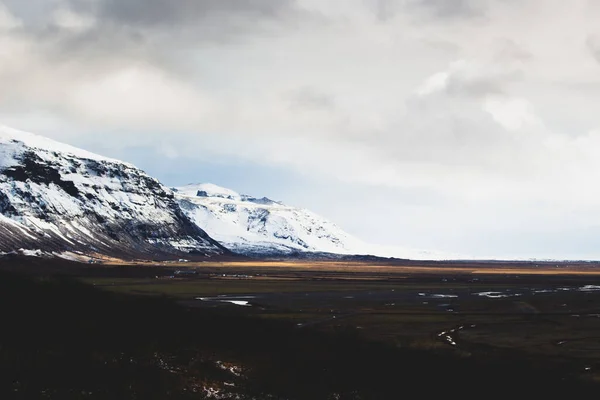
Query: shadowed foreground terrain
{"type": "Point", "coordinates": [141, 332]}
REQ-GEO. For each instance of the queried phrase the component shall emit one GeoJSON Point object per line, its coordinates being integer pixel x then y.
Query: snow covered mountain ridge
{"type": "Point", "coordinates": [214, 191]}
{"type": "Point", "coordinates": [260, 226]}
{"type": "Point", "coordinates": [55, 197]}
{"type": "Point", "coordinates": [263, 227]}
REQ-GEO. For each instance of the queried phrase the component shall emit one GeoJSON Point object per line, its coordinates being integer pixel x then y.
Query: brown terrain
{"type": "Point", "coordinates": [539, 320]}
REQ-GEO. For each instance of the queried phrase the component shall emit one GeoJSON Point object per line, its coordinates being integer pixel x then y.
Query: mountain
{"type": "Point", "coordinates": [263, 227]}
{"type": "Point", "coordinates": [260, 226]}
{"type": "Point", "coordinates": [58, 198]}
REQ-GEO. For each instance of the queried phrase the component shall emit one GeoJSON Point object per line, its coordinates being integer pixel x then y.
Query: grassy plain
{"type": "Point", "coordinates": [310, 329]}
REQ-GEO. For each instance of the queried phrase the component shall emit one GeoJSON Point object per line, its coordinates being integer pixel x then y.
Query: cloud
{"type": "Point", "coordinates": [387, 10]}
{"type": "Point", "coordinates": [7, 20]}
{"type": "Point", "coordinates": [462, 100]}
{"type": "Point", "coordinates": [226, 16]}
{"type": "Point", "coordinates": [100, 32]}
{"type": "Point", "coordinates": [593, 45]}
{"type": "Point", "coordinates": [470, 79]}
{"type": "Point", "coordinates": [306, 98]}
{"type": "Point", "coordinates": [449, 9]}
{"type": "Point", "coordinates": [512, 114]}
{"type": "Point", "coordinates": [153, 13]}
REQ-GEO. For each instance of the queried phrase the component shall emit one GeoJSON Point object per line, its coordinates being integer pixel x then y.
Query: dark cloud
{"type": "Point", "coordinates": [509, 51]}
{"type": "Point", "coordinates": [475, 87]}
{"type": "Point", "coordinates": [154, 13]}
{"type": "Point", "coordinates": [449, 8]}
{"type": "Point", "coordinates": [158, 32]}
{"type": "Point", "coordinates": [31, 12]}
{"type": "Point", "coordinates": [181, 23]}
{"type": "Point", "coordinates": [310, 99]}
{"type": "Point", "coordinates": [438, 9]}
{"type": "Point", "coordinates": [478, 84]}
{"type": "Point", "coordinates": [385, 9]}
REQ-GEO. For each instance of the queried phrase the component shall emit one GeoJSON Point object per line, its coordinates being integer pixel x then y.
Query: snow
{"type": "Point", "coordinates": [77, 200]}
{"type": "Point", "coordinates": [243, 224]}
{"type": "Point", "coordinates": [251, 225]}
{"type": "Point", "coordinates": [439, 296]}
{"type": "Point", "coordinates": [86, 198]}
{"type": "Point", "coordinates": [23, 230]}
{"type": "Point", "coordinates": [210, 189]}
{"type": "Point", "coordinates": [495, 295]}
{"type": "Point", "coordinates": [123, 198]}
{"type": "Point", "coordinates": [233, 369]}
{"type": "Point", "coordinates": [237, 302]}
{"type": "Point", "coordinates": [31, 140]}
{"type": "Point", "coordinates": [244, 303]}
{"type": "Point", "coordinates": [589, 288]}
{"type": "Point", "coordinates": [33, 253]}
{"type": "Point", "coordinates": [67, 255]}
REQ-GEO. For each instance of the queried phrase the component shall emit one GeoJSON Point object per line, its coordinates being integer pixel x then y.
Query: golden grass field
{"type": "Point", "coordinates": [475, 267]}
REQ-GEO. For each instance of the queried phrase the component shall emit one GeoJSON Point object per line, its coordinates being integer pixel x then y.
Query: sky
{"type": "Point", "coordinates": [462, 126]}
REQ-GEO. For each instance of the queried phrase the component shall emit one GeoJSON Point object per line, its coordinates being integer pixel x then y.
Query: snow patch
{"type": "Point", "coordinates": [31, 140]}
{"type": "Point", "coordinates": [33, 253]}
{"type": "Point", "coordinates": [589, 288]}
{"type": "Point", "coordinates": [496, 295]}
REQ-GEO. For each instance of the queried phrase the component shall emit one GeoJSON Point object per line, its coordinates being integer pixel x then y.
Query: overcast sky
{"type": "Point", "coordinates": [465, 126]}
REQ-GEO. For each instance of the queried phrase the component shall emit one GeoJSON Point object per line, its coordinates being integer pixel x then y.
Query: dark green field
{"type": "Point", "coordinates": [276, 333]}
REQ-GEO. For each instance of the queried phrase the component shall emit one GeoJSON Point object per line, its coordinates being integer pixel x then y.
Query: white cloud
{"type": "Point", "coordinates": [66, 18]}
{"type": "Point", "coordinates": [7, 20]}
{"type": "Point", "coordinates": [139, 96]}
{"type": "Point", "coordinates": [435, 83]}
{"type": "Point", "coordinates": [513, 114]}
{"type": "Point", "coordinates": [493, 107]}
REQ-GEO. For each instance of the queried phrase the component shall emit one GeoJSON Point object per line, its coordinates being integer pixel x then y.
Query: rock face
{"type": "Point", "coordinates": [55, 197]}
{"type": "Point", "coordinates": [260, 226]}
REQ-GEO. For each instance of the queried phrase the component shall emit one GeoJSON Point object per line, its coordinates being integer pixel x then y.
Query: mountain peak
{"type": "Point", "coordinates": [10, 135]}
{"type": "Point", "coordinates": [259, 226]}
{"type": "Point", "coordinates": [207, 190]}
{"type": "Point", "coordinates": [211, 190]}
{"type": "Point", "coordinates": [56, 198]}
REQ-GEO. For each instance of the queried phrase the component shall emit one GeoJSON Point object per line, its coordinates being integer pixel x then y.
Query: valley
{"type": "Point", "coordinates": [299, 199]}
{"type": "Point", "coordinates": [115, 286]}
{"type": "Point", "coordinates": [395, 327]}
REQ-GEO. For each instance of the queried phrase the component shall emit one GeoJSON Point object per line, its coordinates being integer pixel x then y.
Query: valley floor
{"type": "Point", "coordinates": [297, 330]}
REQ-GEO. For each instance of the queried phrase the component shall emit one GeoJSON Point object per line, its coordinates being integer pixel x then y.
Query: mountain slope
{"type": "Point", "coordinates": [261, 226]}
{"type": "Point", "coordinates": [55, 197]}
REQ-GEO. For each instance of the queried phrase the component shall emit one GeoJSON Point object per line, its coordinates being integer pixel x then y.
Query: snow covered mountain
{"type": "Point", "coordinates": [56, 198]}
{"type": "Point", "coordinates": [261, 226]}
